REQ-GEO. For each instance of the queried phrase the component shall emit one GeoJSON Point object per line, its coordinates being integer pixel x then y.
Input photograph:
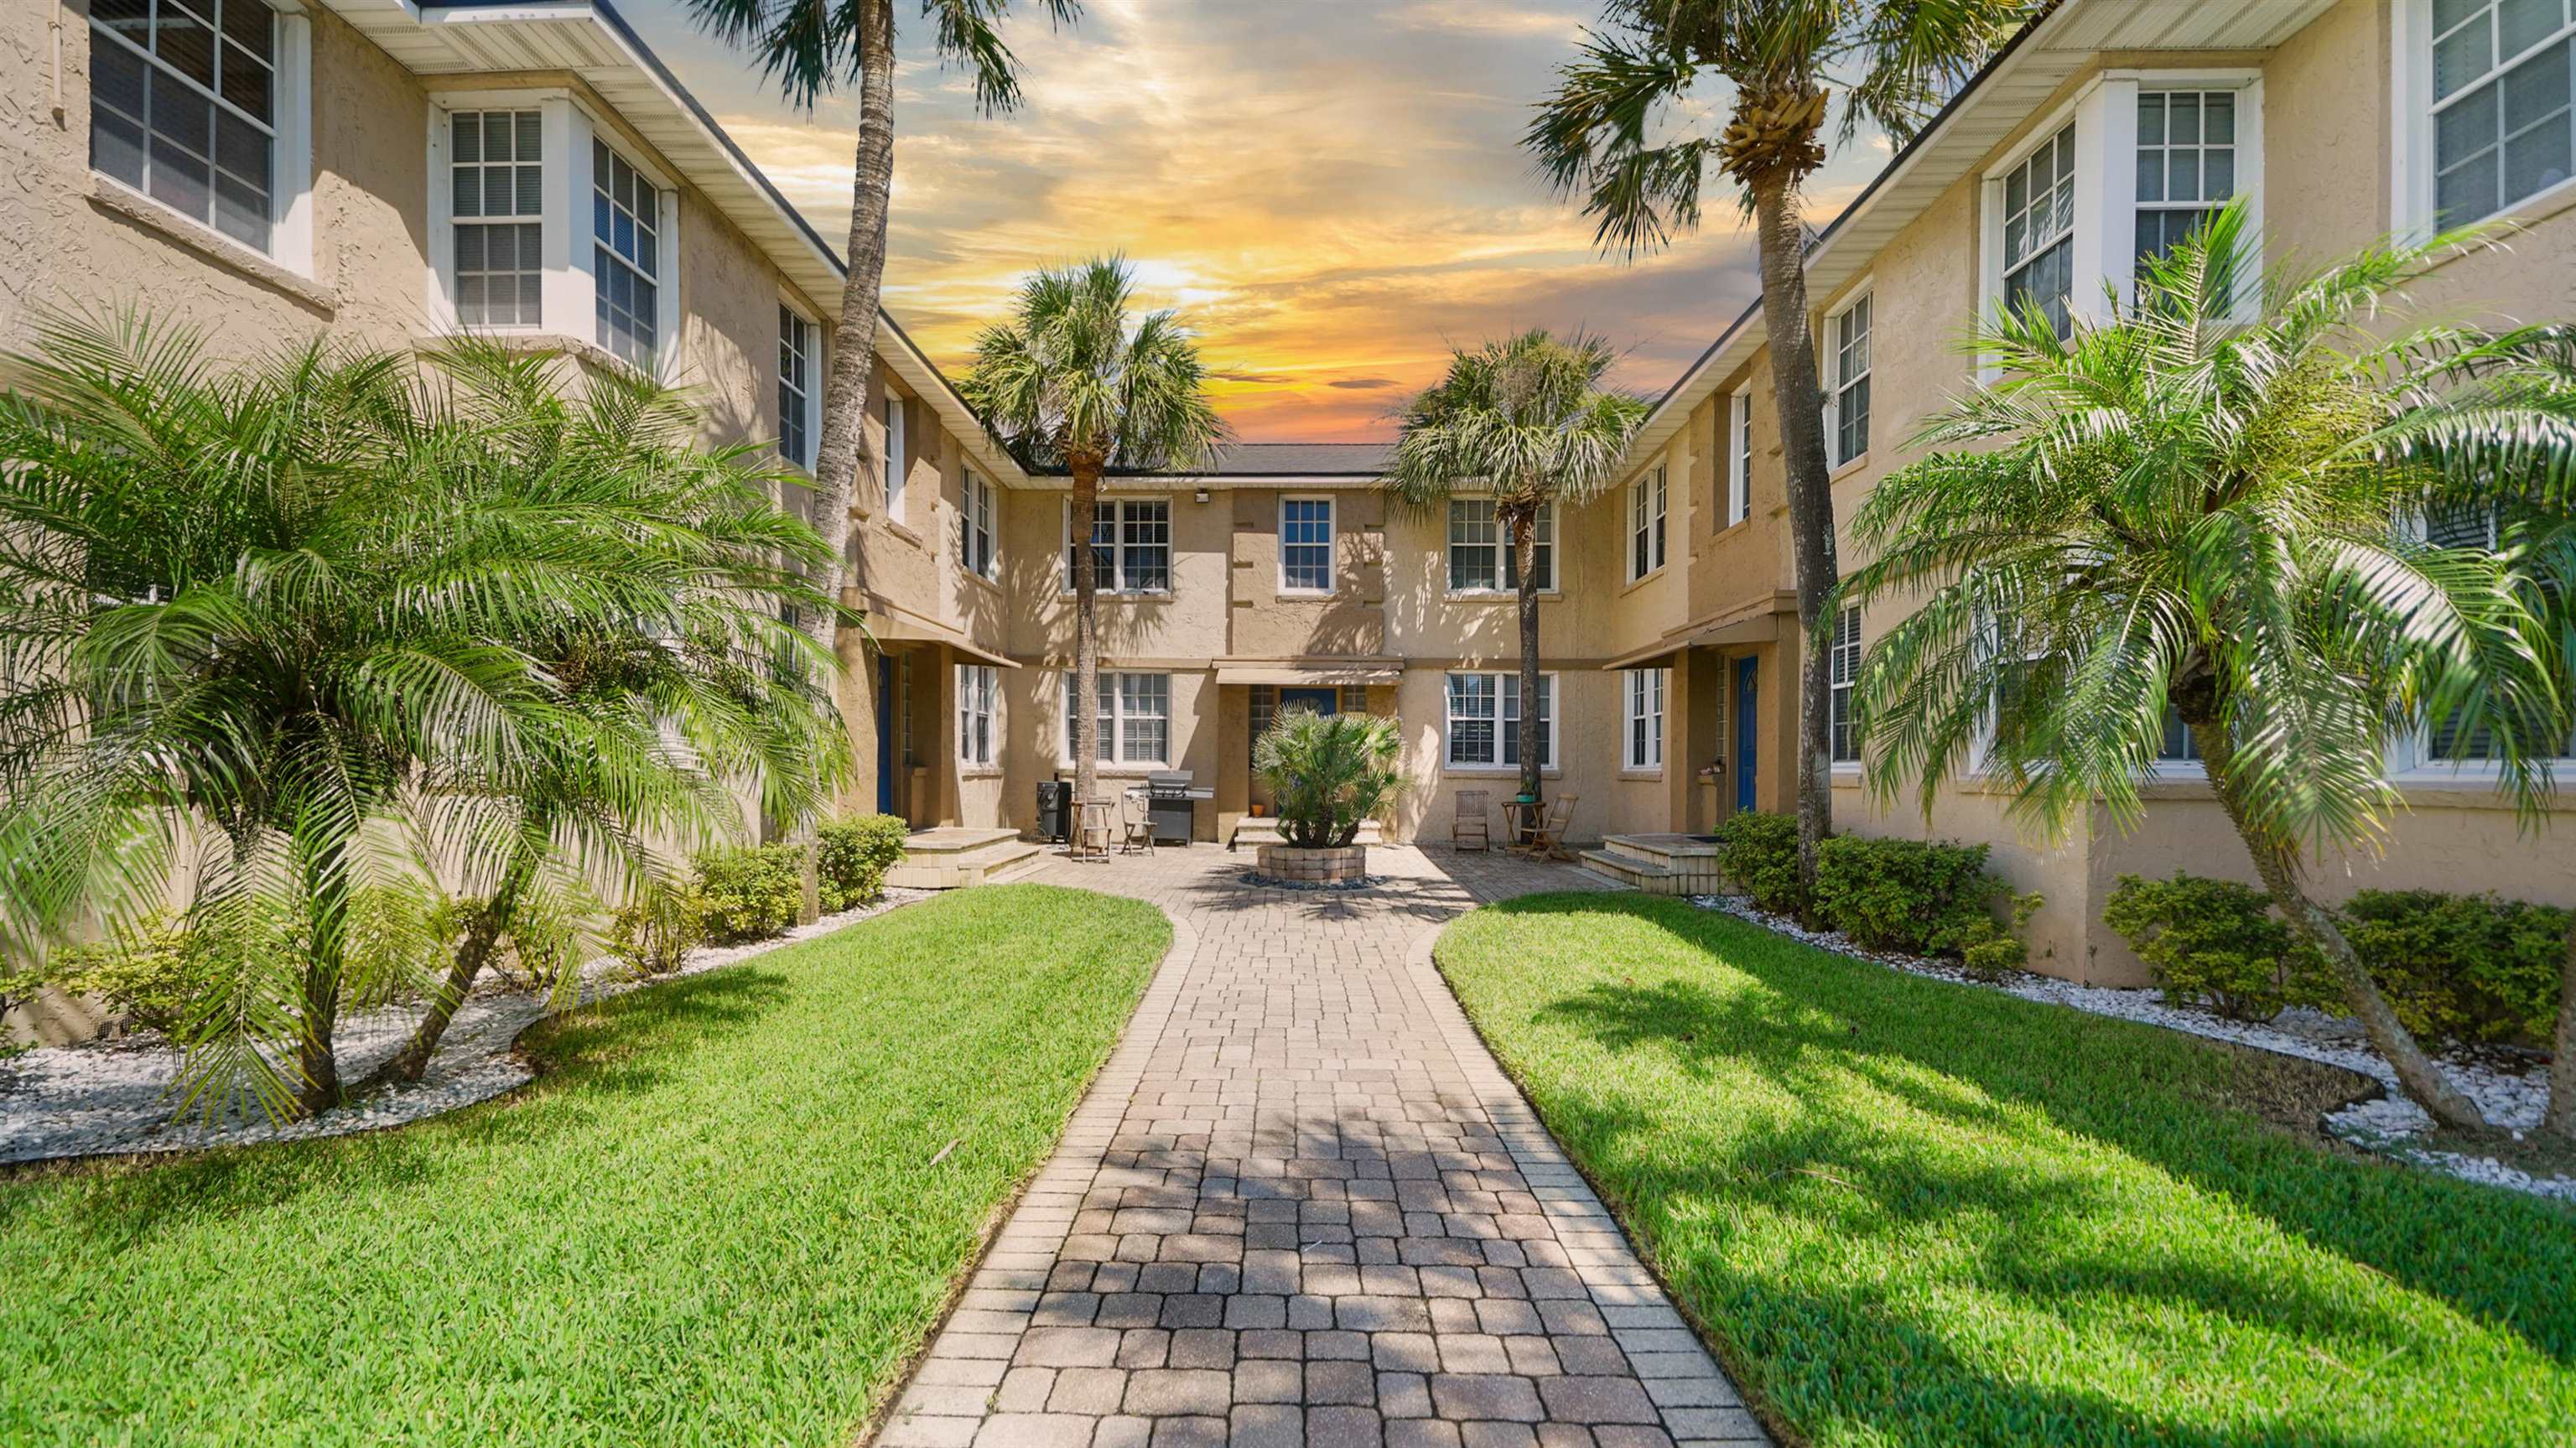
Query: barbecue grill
{"type": "Point", "coordinates": [1171, 805]}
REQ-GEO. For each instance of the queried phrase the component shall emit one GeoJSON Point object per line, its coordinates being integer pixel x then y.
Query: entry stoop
{"type": "Point", "coordinates": [1659, 864]}
{"type": "Point", "coordinates": [952, 857]}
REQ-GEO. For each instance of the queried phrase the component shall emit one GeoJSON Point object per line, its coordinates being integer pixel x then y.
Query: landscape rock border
{"type": "Point", "coordinates": [2388, 1124]}
{"type": "Point", "coordinates": [112, 1098]}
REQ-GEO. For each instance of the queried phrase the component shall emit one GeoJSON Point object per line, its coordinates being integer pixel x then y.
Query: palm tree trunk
{"type": "Point", "coordinates": [1799, 402]}
{"type": "Point", "coordinates": [1086, 639]}
{"type": "Point", "coordinates": [2559, 1119]}
{"type": "Point", "coordinates": [853, 363]}
{"type": "Point", "coordinates": [327, 896]}
{"type": "Point", "coordinates": [482, 941]}
{"type": "Point", "coordinates": [2278, 868]}
{"type": "Point", "coordinates": [1524, 525]}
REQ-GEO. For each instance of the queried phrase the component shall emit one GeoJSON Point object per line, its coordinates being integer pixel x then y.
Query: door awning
{"type": "Point", "coordinates": [891, 625]}
{"type": "Point", "coordinates": [1314, 676]}
{"type": "Point", "coordinates": [1758, 629]}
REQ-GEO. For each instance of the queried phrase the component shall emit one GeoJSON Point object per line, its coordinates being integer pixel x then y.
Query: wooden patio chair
{"type": "Point", "coordinates": [1473, 818]}
{"type": "Point", "coordinates": [1547, 836]}
{"type": "Point", "coordinates": [1137, 818]}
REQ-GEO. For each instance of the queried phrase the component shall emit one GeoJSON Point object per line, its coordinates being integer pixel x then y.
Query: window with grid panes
{"type": "Point", "coordinates": [2503, 79]}
{"type": "Point", "coordinates": [626, 255]}
{"type": "Point", "coordinates": [183, 97]}
{"type": "Point", "coordinates": [2039, 230]}
{"type": "Point", "coordinates": [2186, 164]}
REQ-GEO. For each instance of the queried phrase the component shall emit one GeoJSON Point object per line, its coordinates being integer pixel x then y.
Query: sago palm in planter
{"type": "Point", "coordinates": [1328, 774]}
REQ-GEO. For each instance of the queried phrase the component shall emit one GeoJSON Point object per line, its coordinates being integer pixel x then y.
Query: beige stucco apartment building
{"type": "Point", "coordinates": [393, 169]}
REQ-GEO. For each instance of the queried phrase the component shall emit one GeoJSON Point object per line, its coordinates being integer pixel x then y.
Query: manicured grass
{"type": "Point", "coordinates": [714, 1220]}
{"type": "Point", "coordinates": [1909, 1212]}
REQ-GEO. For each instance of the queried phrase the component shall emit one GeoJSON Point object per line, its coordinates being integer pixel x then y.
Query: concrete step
{"type": "Point", "coordinates": [954, 869]}
{"type": "Point", "coordinates": [1675, 864]}
{"type": "Point", "coordinates": [1634, 873]}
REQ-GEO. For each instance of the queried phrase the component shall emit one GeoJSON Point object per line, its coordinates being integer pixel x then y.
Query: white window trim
{"type": "Point", "coordinates": [1643, 690]}
{"type": "Point", "coordinates": [1552, 755]}
{"type": "Point", "coordinates": [569, 294]}
{"type": "Point", "coordinates": [1739, 455]}
{"type": "Point", "coordinates": [1849, 689]}
{"type": "Point", "coordinates": [1863, 290]}
{"type": "Point", "coordinates": [290, 188]}
{"type": "Point", "coordinates": [2410, 142]}
{"type": "Point", "coordinates": [975, 489]}
{"type": "Point", "coordinates": [1332, 536]}
{"type": "Point", "coordinates": [1114, 585]}
{"type": "Point", "coordinates": [1112, 700]}
{"type": "Point", "coordinates": [895, 464]}
{"type": "Point", "coordinates": [979, 695]}
{"type": "Point", "coordinates": [1502, 550]}
{"type": "Point", "coordinates": [1649, 506]}
{"type": "Point", "coordinates": [813, 383]}
{"type": "Point", "coordinates": [2105, 116]}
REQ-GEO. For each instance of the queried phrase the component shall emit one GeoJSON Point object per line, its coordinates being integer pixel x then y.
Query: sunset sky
{"type": "Point", "coordinates": [1332, 190]}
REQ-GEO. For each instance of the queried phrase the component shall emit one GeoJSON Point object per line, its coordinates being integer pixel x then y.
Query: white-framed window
{"type": "Point", "coordinates": [2177, 752]}
{"type": "Point", "coordinates": [1484, 721]}
{"type": "Point", "coordinates": [1135, 721]}
{"type": "Point", "coordinates": [799, 368]}
{"type": "Point", "coordinates": [1847, 405]}
{"type": "Point", "coordinates": [1481, 559]}
{"type": "Point", "coordinates": [497, 195]}
{"type": "Point", "coordinates": [977, 686]}
{"type": "Point", "coordinates": [1645, 693]}
{"type": "Point", "coordinates": [1646, 507]}
{"type": "Point", "coordinates": [626, 222]}
{"type": "Point", "coordinates": [897, 462]}
{"type": "Point", "coordinates": [2494, 126]}
{"type": "Point", "coordinates": [1131, 545]}
{"type": "Point", "coordinates": [2186, 162]}
{"type": "Point", "coordinates": [1305, 545]}
{"type": "Point", "coordinates": [539, 222]}
{"type": "Point", "coordinates": [203, 106]}
{"type": "Point", "coordinates": [1739, 457]}
{"type": "Point", "coordinates": [1843, 667]}
{"type": "Point", "coordinates": [2443, 745]}
{"type": "Point", "coordinates": [2039, 230]}
{"type": "Point", "coordinates": [975, 526]}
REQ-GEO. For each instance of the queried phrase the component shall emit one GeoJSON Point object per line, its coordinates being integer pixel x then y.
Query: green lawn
{"type": "Point", "coordinates": [1909, 1212]}
{"type": "Point", "coordinates": [714, 1219]}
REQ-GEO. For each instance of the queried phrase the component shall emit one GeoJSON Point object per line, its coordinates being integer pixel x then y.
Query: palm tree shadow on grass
{"type": "Point", "coordinates": [1807, 1019]}
{"type": "Point", "coordinates": [591, 1064]}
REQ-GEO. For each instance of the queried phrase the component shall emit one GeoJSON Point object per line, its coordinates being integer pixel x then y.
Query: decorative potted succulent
{"type": "Point", "coordinates": [1328, 775]}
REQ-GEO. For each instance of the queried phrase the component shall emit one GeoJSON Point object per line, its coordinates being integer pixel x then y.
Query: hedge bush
{"type": "Point", "coordinates": [2472, 969]}
{"type": "Point", "coordinates": [1921, 897]}
{"type": "Point", "coordinates": [1759, 853]}
{"type": "Point", "coordinates": [152, 973]}
{"type": "Point", "coordinates": [748, 893]}
{"type": "Point", "coordinates": [855, 854]}
{"type": "Point", "coordinates": [2217, 942]}
{"type": "Point", "coordinates": [654, 934]}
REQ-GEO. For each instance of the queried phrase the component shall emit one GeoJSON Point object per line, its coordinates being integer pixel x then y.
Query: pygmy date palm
{"type": "Point", "coordinates": [1072, 382]}
{"type": "Point", "coordinates": [1527, 423]}
{"type": "Point", "coordinates": [1607, 134]}
{"type": "Point", "coordinates": [2208, 507]}
{"type": "Point", "coordinates": [274, 639]}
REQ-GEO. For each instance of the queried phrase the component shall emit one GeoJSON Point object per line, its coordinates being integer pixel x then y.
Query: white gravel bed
{"type": "Point", "coordinates": [2389, 1124]}
{"type": "Point", "coordinates": [113, 1097]}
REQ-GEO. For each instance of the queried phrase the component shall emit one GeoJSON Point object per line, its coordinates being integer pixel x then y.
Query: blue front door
{"type": "Point", "coordinates": [885, 734]}
{"type": "Point", "coordinates": [1747, 674]}
{"type": "Point", "coordinates": [1319, 701]}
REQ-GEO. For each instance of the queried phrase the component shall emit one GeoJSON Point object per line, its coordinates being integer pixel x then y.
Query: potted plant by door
{"type": "Point", "coordinates": [1328, 775]}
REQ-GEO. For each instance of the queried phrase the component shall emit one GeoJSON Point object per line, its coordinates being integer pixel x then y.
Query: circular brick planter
{"type": "Point", "coordinates": [1314, 867]}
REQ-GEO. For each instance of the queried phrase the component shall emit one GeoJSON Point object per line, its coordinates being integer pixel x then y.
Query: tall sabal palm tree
{"type": "Point", "coordinates": [1606, 135]}
{"type": "Point", "coordinates": [1071, 381]}
{"type": "Point", "coordinates": [291, 621]}
{"type": "Point", "coordinates": [2200, 509]}
{"type": "Point", "coordinates": [1526, 422]}
{"type": "Point", "coordinates": [809, 50]}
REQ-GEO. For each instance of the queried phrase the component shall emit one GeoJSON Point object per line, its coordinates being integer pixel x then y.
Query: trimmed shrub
{"type": "Point", "coordinates": [152, 973]}
{"type": "Point", "coordinates": [748, 894]}
{"type": "Point", "coordinates": [2000, 948]}
{"type": "Point", "coordinates": [2217, 942]}
{"type": "Point", "coordinates": [1759, 853]}
{"type": "Point", "coordinates": [654, 934]}
{"type": "Point", "coordinates": [855, 854]}
{"type": "Point", "coordinates": [1916, 896]}
{"type": "Point", "coordinates": [2471, 969]}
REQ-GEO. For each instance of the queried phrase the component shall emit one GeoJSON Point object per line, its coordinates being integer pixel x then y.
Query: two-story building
{"type": "Point", "coordinates": [396, 169]}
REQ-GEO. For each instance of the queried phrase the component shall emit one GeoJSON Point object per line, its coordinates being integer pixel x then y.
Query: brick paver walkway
{"type": "Point", "coordinates": [1303, 1204]}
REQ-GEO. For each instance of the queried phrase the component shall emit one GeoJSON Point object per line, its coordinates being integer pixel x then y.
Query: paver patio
{"type": "Point", "coordinates": [1303, 1204]}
